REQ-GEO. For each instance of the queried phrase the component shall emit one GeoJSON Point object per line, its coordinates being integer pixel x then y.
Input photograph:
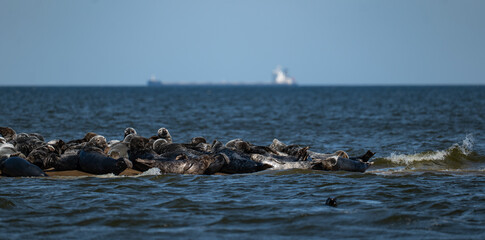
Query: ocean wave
{"type": "Point", "coordinates": [458, 156]}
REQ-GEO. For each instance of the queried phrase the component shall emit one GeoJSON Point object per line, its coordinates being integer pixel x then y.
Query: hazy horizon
{"type": "Point", "coordinates": [328, 43]}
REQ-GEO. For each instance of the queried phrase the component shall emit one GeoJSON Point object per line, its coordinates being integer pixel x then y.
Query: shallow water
{"type": "Point", "coordinates": [427, 180]}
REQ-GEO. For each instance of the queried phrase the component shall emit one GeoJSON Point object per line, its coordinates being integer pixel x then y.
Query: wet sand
{"type": "Point", "coordinates": [77, 173]}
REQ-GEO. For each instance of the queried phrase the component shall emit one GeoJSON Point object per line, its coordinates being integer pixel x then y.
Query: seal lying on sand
{"type": "Point", "coordinates": [19, 167]}
{"type": "Point", "coordinates": [26, 143]}
{"type": "Point", "coordinates": [181, 158]}
{"type": "Point", "coordinates": [7, 149]}
{"type": "Point", "coordinates": [8, 133]}
{"type": "Point", "coordinates": [239, 160]}
{"type": "Point", "coordinates": [44, 157]}
{"type": "Point", "coordinates": [96, 163]}
{"type": "Point", "coordinates": [337, 161]}
{"type": "Point", "coordinates": [205, 164]}
{"type": "Point", "coordinates": [92, 154]}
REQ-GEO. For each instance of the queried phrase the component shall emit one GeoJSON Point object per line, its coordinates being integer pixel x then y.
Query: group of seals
{"type": "Point", "coordinates": [27, 154]}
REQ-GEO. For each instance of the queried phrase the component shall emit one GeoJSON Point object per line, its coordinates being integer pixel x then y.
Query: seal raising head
{"type": "Point", "coordinates": [164, 134]}
{"type": "Point", "coordinates": [129, 130]}
{"type": "Point", "coordinates": [98, 141]}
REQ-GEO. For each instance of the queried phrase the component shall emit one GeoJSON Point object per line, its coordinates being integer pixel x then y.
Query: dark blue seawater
{"type": "Point", "coordinates": [428, 180]}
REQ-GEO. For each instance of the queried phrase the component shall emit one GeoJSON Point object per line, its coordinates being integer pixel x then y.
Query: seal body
{"type": "Point", "coordinates": [44, 157]}
{"type": "Point", "coordinates": [205, 164]}
{"type": "Point", "coordinates": [96, 163]}
{"type": "Point", "coordinates": [6, 150]}
{"type": "Point", "coordinates": [19, 167]}
{"type": "Point", "coordinates": [67, 162]}
{"type": "Point", "coordinates": [240, 162]}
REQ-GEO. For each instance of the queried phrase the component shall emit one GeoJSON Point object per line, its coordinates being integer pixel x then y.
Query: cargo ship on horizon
{"type": "Point", "coordinates": [280, 78]}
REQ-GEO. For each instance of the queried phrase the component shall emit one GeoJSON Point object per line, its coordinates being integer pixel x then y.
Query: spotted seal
{"type": "Point", "coordinates": [338, 161]}
{"type": "Point", "coordinates": [44, 157]}
{"type": "Point", "coordinates": [128, 131]}
{"type": "Point", "coordinates": [205, 164]}
{"type": "Point", "coordinates": [26, 143]}
{"type": "Point", "coordinates": [238, 161]}
{"type": "Point", "coordinates": [7, 149]}
{"type": "Point", "coordinates": [164, 134]}
{"type": "Point", "coordinates": [8, 133]}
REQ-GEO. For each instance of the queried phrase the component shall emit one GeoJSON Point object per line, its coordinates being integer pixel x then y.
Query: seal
{"type": "Point", "coordinates": [26, 143]}
{"type": "Point", "coordinates": [158, 145]}
{"type": "Point", "coordinates": [85, 139]}
{"type": "Point", "coordinates": [172, 150]}
{"type": "Point", "coordinates": [338, 161]}
{"type": "Point", "coordinates": [7, 150]}
{"type": "Point", "coordinates": [164, 134]}
{"type": "Point", "coordinates": [200, 144]}
{"type": "Point", "coordinates": [248, 148]}
{"type": "Point", "coordinates": [44, 157]}
{"type": "Point", "coordinates": [139, 149]}
{"type": "Point", "coordinates": [238, 162]}
{"type": "Point", "coordinates": [97, 144]}
{"type": "Point", "coordinates": [8, 133]}
{"type": "Point", "coordinates": [19, 167]}
{"type": "Point", "coordinates": [96, 163]}
{"type": "Point", "coordinates": [128, 131]}
{"type": "Point", "coordinates": [332, 202]}
{"type": "Point", "coordinates": [205, 164]}
{"type": "Point", "coordinates": [118, 150]}
{"type": "Point", "coordinates": [67, 162]}
{"type": "Point", "coordinates": [59, 145]}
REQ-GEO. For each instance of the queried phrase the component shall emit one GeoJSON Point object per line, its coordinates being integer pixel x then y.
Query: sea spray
{"type": "Point", "coordinates": [151, 172]}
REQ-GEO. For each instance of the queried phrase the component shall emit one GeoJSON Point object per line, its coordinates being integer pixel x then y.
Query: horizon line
{"type": "Point", "coordinates": [249, 85]}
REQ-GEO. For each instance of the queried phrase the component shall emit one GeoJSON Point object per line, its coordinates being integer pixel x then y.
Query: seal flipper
{"type": "Point", "coordinates": [366, 157]}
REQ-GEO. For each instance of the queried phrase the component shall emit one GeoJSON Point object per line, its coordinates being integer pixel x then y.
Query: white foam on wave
{"type": "Point", "coordinates": [108, 175]}
{"type": "Point", "coordinates": [466, 148]}
{"type": "Point", "coordinates": [151, 172]}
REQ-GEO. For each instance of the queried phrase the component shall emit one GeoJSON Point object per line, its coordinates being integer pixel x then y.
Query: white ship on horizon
{"type": "Point", "coordinates": [153, 81]}
{"type": "Point", "coordinates": [280, 77]}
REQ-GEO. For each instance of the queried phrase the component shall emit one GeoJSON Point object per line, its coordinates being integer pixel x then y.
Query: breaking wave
{"type": "Point", "coordinates": [456, 157]}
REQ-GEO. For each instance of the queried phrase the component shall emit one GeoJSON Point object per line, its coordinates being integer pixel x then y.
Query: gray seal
{"type": "Point", "coordinates": [128, 131]}
{"type": "Point", "coordinates": [8, 133]}
{"type": "Point", "coordinates": [205, 164]}
{"type": "Point", "coordinates": [164, 134]}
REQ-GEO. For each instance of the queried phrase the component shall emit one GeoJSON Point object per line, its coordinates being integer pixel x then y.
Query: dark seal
{"type": "Point", "coordinates": [96, 163]}
{"type": "Point", "coordinates": [332, 202]}
{"type": "Point", "coordinates": [19, 167]}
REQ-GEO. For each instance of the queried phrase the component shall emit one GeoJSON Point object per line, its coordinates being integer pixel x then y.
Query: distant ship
{"type": "Point", "coordinates": [280, 77]}
{"type": "Point", "coordinates": [154, 82]}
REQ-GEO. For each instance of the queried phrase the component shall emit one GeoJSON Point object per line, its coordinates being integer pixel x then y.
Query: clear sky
{"type": "Point", "coordinates": [342, 42]}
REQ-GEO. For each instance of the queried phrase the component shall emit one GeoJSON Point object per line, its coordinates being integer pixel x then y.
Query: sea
{"type": "Point", "coordinates": [427, 180]}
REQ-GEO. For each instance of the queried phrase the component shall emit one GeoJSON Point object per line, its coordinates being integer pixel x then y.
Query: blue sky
{"type": "Point", "coordinates": [65, 42]}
